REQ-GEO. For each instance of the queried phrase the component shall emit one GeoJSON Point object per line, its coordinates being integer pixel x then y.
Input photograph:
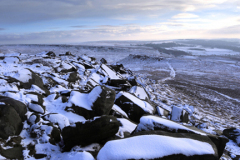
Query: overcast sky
{"type": "Point", "coordinates": [73, 21]}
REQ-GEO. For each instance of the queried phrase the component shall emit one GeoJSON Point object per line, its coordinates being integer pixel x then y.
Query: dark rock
{"type": "Point", "coordinates": [233, 134]}
{"type": "Point", "coordinates": [220, 143]}
{"type": "Point", "coordinates": [20, 107]}
{"type": "Point", "coordinates": [12, 153]}
{"type": "Point", "coordinates": [68, 53]}
{"type": "Point", "coordinates": [103, 61]}
{"type": "Point", "coordinates": [104, 102]}
{"type": "Point", "coordinates": [40, 156]}
{"type": "Point", "coordinates": [121, 84]}
{"type": "Point", "coordinates": [96, 131]}
{"type": "Point", "coordinates": [51, 54]}
{"type": "Point", "coordinates": [88, 114]}
{"type": "Point", "coordinates": [64, 99]}
{"type": "Point", "coordinates": [55, 136]}
{"type": "Point", "coordinates": [126, 102]}
{"type": "Point", "coordinates": [73, 77]}
{"type": "Point", "coordinates": [10, 121]}
{"type": "Point", "coordinates": [118, 68]}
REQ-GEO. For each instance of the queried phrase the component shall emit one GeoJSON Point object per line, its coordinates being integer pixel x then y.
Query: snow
{"type": "Point", "coordinates": [149, 122]}
{"type": "Point", "coordinates": [59, 119]}
{"type": "Point", "coordinates": [11, 60]}
{"type": "Point", "coordinates": [144, 105]}
{"type": "Point", "coordinates": [118, 109]}
{"type": "Point", "coordinates": [176, 113]}
{"type": "Point", "coordinates": [152, 146]}
{"type": "Point", "coordinates": [112, 74]}
{"type": "Point", "coordinates": [22, 75]}
{"type": "Point", "coordinates": [85, 100]}
{"type": "Point", "coordinates": [73, 156]}
{"type": "Point", "coordinates": [36, 107]}
{"type": "Point", "coordinates": [36, 89]}
{"type": "Point", "coordinates": [139, 92]}
{"type": "Point", "coordinates": [127, 126]}
{"type": "Point", "coordinates": [33, 97]}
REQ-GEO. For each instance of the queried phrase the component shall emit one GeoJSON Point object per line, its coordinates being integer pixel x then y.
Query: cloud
{"type": "Point", "coordinates": [232, 30]}
{"type": "Point", "coordinates": [1, 29]}
{"type": "Point", "coordinates": [28, 11]}
{"type": "Point", "coordinates": [185, 16]}
{"type": "Point", "coordinates": [80, 26]}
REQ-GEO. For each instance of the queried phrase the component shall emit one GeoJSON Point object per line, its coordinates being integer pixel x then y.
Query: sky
{"type": "Point", "coordinates": [75, 21]}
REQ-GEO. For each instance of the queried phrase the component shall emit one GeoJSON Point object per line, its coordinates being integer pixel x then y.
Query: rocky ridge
{"type": "Point", "coordinates": [73, 107]}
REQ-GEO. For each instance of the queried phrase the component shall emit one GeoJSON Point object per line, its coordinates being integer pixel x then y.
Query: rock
{"type": "Point", "coordinates": [35, 98]}
{"type": "Point", "coordinates": [150, 123]}
{"type": "Point", "coordinates": [179, 114]}
{"type": "Point", "coordinates": [58, 119]}
{"type": "Point", "coordinates": [51, 54]}
{"type": "Point", "coordinates": [73, 77]}
{"type": "Point", "coordinates": [139, 92]}
{"type": "Point", "coordinates": [220, 142]}
{"type": "Point", "coordinates": [68, 53]}
{"type": "Point", "coordinates": [160, 145]}
{"type": "Point", "coordinates": [35, 80]}
{"type": "Point", "coordinates": [20, 107]}
{"type": "Point", "coordinates": [119, 84]}
{"type": "Point", "coordinates": [96, 103]}
{"type": "Point", "coordinates": [12, 153]}
{"type": "Point", "coordinates": [116, 111]}
{"type": "Point", "coordinates": [65, 67]}
{"type": "Point", "coordinates": [36, 108]}
{"type": "Point", "coordinates": [103, 61]}
{"type": "Point", "coordinates": [96, 131]}
{"type": "Point", "coordinates": [133, 106]}
{"type": "Point", "coordinates": [118, 68]}
{"type": "Point", "coordinates": [10, 121]}
{"type": "Point", "coordinates": [233, 134]}
{"type": "Point", "coordinates": [162, 111]}
{"type": "Point", "coordinates": [34, 118]}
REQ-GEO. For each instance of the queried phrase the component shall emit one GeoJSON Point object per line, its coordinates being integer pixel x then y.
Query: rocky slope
{"type": "Point", "coordinates": [73, 107]}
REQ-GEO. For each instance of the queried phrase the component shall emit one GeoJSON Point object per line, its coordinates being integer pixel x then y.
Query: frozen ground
{"type": "Point", "coordinates": [202, 75]}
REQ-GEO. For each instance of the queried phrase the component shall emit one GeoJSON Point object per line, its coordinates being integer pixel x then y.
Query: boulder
{"type": "Point", "coordinates": [160, 145]}
{"type": "Point", "coordinates": [133, 106]}
{"type": "Point", "coordinates": [96, 103]}
{"type": "Point", "coordinates": [96, 131]}
{"type": "Point", "coordinates": [233, 134]}
{"type": "Point", "coordinates": [35, 80]}
{"type": "Point", "coordinates": [51, 54]}
{"type": "Point", "coordinates": [179, 114]}
{"type": "Point", "coordinates": [73, 76]}
{"type": "Point", "coordinates": [34, 118]}
{"type": "Point", "coordinates": [21, 108]}
{"type": "Point", "coordinates": [10, 121]}
{"type": "Point", "coordinates": [151, 123]}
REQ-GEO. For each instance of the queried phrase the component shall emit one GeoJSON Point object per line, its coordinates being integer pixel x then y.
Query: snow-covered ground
{"type": "Point", "coordinates": [206, 78]}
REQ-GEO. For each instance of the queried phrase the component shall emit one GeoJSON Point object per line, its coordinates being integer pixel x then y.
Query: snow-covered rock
{"type": "Point", "coordinates": [157, 147]}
